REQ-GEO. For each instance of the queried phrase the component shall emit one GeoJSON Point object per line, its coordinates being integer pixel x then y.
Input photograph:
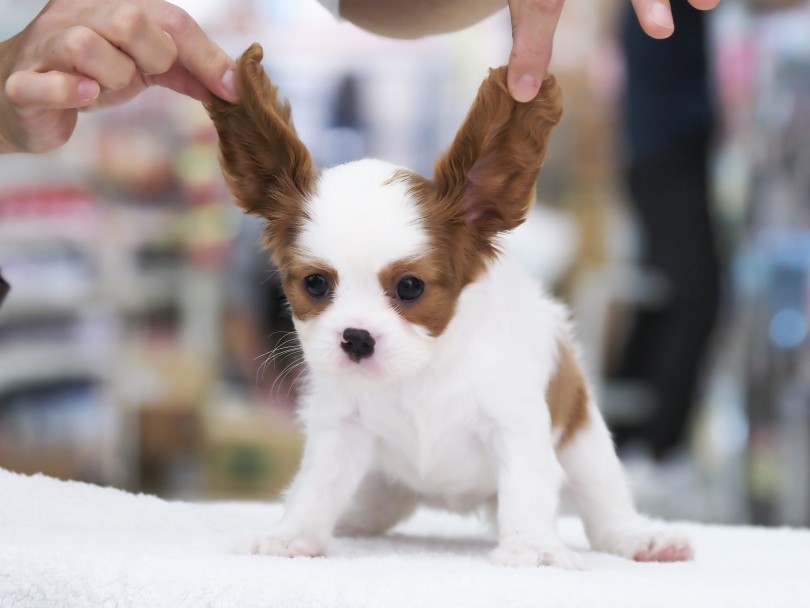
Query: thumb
{"type": "Point", "coordinates": [50, 90]}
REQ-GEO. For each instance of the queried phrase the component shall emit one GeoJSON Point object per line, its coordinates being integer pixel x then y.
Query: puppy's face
{"type": "Point", "coordinates": [372, 257]}
{"type": "Point", "coordinates": [362, 277]}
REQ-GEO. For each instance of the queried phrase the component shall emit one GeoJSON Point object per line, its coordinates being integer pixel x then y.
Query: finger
{"type": "Point", "coordinates": [50, 90]}
{"type": "Point", "coordinates": [198, 53]}
{"type": "Point", "coordinates": [120, 96]}
{"type": "Point", "coordinates": [81, 50]}
{"type": "Point", "coordinates": [129, 28]}
{"type": "Point", "coordinates": [655, 17]}
{"type": "Point", "coordinates": [179, 79]}
{"type": "Point", "coordinates": [533, 26]}
{"type": "Point", "coordinates": [704, 5]}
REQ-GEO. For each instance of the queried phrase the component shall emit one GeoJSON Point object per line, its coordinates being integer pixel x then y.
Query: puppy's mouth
{"type": "Point", "coordinates": [354, 354]}
{"type": "Point", "coordinates": [361, 355]}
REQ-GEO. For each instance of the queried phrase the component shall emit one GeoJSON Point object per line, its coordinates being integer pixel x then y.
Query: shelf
{"type": "Point", "coordinates": [30, 364]}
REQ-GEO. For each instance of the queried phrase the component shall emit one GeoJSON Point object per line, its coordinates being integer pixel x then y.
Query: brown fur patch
{"type": "Point", "coordinates": [567, 395]}
{"type": "Point", "coordinates": [293, 273]}
{"type": "Point", "coordinates": [267, 168]}
{"type": "Point", "coordinates": [435, 307]}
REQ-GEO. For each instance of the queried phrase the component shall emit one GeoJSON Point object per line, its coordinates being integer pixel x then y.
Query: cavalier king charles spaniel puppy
{"type": "Point", "coordinates": [440, 373]}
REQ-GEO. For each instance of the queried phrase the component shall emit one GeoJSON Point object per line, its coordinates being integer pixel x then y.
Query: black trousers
{"type": "Point", "coordinates": [666, 346]}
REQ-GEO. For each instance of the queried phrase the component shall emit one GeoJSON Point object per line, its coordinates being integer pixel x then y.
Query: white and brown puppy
{"type": "Point", "coordinates": [440, 373]}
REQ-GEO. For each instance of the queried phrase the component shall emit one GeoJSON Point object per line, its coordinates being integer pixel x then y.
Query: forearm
{"type": "Point", "coordinates": [417, 18]}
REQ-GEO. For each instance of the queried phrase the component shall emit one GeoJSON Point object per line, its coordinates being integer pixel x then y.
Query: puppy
{"type": "Point", "coordinates": [440, 373]}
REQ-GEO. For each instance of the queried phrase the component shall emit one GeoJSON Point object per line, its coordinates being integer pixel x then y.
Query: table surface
{"type": "Point", "coordinates": [70, 544]}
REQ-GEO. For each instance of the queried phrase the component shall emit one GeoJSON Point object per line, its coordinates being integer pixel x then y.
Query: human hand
{"type": "Point", "coordinates": [82, 54]}
{"type": "Point", "coordinates": [533, 25]}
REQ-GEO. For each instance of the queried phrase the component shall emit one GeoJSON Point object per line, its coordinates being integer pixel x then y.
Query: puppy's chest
{"type": "Point", "coordinates": [437, 444]}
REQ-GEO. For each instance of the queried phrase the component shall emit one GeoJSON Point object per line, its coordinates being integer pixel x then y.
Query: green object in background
{"type": "Point", "coordinates": [247, 464]}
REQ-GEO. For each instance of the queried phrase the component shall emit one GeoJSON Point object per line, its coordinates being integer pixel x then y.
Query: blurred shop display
{"type": "Point", "coordinates": [138, 344]}
{"type": "Point", "coordinates": [764, 190]}
{"type": "Point", "coordinates": [113, 248]}
{"type": "Point", "coordinates": [145, 343]}
{"type": "Point", "coordinates": [56, 335]}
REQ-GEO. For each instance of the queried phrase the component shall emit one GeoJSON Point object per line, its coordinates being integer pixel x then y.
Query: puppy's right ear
{"type": "Point", "coordinates": [267, 167]}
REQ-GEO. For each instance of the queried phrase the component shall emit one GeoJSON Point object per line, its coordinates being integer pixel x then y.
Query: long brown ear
{"type": "Point", "coordinates": [491, 168]}
{"type": "Point", "coordinates": [267, 168]}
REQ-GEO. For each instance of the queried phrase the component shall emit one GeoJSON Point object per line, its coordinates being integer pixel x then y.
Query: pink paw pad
{"type": "Point", "coordinates": [676, 550]}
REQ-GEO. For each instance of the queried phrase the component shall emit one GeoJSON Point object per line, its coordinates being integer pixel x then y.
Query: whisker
{"type": "Point", "coordinates": [280, 378]}
{"type": "Point", "coordinates": [297, 378]}
{"type": "Point", "coordinates": [287, 344]}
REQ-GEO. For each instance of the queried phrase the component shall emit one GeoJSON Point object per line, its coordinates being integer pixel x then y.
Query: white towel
{"type": "Point", "coordinates": [68, 545]}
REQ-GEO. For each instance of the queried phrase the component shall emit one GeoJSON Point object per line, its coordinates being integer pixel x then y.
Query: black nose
{"type": "Point", "coordinates": [357, 343]}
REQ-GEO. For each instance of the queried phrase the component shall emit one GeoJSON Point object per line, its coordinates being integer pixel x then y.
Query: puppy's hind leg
{"type": "Point", "coordinates": [378, 506]}
{"type": "Point", "coordinates": [599, 489]}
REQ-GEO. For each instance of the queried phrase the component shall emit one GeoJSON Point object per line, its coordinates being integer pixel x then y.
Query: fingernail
{"type": "Point", "coordinates": [89, 90]}
{"type": "Point", "coordinates": [229, 84]}
{"type": "Point", "coordinates": [660, 15]}
{"type": "Point", "coordinates": [525, 88]}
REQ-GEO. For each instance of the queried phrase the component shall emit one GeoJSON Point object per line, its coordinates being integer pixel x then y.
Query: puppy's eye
{"type": "Point", "coordinates": [409, 289]}
{"type": "Point", "coordinates": [316, 285]}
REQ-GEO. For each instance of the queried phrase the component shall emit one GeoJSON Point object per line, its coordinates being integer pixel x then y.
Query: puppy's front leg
{"type": "Point", "coordinates": [336, 458]}
{"type": "Point", "coordinates": [529, 479]}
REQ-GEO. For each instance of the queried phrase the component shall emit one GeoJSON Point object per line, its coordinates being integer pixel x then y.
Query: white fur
{"type": "Point", "coordinates": [458, 421]}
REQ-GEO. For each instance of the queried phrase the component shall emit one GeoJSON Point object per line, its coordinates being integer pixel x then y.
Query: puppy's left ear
{"type": "Point", "coordinates": [490, 170]}
{"type": "Point", "coordinates": [267, 167]}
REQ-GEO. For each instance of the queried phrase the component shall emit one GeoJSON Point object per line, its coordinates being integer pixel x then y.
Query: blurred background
{"type": "Point", "coordinates": [145, 343]}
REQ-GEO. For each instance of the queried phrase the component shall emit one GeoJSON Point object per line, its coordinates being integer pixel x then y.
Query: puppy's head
{"type": "Point", "coordinates": [374, 258]}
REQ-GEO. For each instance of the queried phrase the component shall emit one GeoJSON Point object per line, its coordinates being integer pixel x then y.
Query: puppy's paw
{"type": "Point", "coordinates": [663, 546]}
{"type": "Point", "coordinates": [645, 543]}
{"type": "Point", "coordinates": [301, 544]}
{"type": "Point", "coordinates": [522, 554]}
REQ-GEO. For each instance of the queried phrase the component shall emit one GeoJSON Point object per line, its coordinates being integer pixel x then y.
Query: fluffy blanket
{"type": "Point", "coordinates": [70, 544]}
